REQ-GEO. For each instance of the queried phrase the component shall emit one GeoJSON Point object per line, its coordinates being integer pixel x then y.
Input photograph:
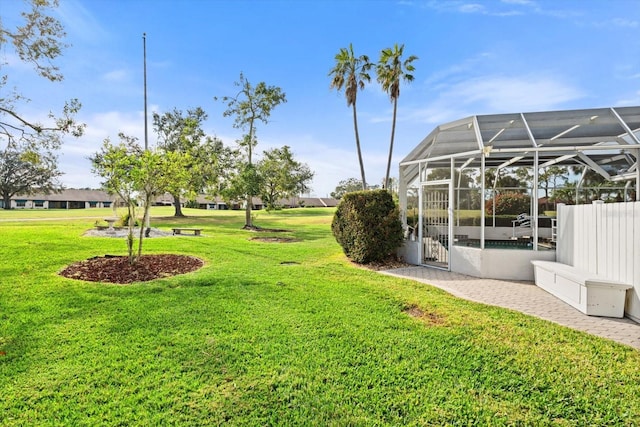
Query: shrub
{"type": "Point", "coordinates": [367, 225]}
{"type": "Point", "coordinates": [509, 203]}
{"type": "Point", "coordinates": [124, 221]}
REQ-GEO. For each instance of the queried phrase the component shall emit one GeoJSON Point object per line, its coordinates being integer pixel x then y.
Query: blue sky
{"type": "Point", "coordinates": [475, 57]}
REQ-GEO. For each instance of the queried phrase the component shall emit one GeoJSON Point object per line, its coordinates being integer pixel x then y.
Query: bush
{"type": "Point", "coordinates": [367, 225]}
{"type": "Point", "coordinates": [509, 203]}
{"type": "Point", "coordinates": [124, 221]}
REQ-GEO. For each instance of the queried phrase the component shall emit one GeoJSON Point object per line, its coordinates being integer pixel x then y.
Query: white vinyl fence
{"type": "Point", "coordinates": [604, 239]}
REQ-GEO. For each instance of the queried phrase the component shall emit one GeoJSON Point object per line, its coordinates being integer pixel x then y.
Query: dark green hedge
{"type": "Point", "coordinates": [367, 225]}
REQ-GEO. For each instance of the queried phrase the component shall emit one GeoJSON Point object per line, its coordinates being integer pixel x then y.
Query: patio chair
{"type": "Point", "coordinates": [521, 226]}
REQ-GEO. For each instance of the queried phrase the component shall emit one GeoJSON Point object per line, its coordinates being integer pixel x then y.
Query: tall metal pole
{"type": "Point", "coordinates": [146, 132]}
{"type": "Point", "coordinates": [144, 52]}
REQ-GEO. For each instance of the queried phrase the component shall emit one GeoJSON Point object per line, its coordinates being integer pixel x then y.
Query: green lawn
{"type": "Point", "coordinates": [248, 340]}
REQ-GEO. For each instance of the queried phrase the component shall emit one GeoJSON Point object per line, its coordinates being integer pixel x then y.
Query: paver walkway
{"type": "Point", "coordinates": [525, 297]}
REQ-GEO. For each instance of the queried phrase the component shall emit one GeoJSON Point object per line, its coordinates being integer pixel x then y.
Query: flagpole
{"type": "Point", "coordinates": [146, 132]}
{"type": "Point", "coordinates": [144, 50]}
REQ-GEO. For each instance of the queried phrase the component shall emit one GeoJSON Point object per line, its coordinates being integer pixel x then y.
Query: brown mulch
{"type": "Point", "coordinates": [387, 264]}
{"type": "Point", "coordinates": [116, 269]}
{"type": "Point", "coordinates": [275, 239]}
{"type": "Point", "coordinates": [260, 229]}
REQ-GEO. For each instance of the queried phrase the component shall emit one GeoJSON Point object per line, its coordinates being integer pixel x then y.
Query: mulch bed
{"type": "Point", "coordinates": [116, 269]}
{"type": "Point", "coordinates": [275, 239]}
{"type": "Point", "coordinates": [387, 264]}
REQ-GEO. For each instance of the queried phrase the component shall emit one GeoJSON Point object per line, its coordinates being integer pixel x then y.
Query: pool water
{"type": "Point", "coordinates": [497, 244]}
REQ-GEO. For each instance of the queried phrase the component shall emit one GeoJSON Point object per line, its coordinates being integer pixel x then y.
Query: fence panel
{"type": "Point", "coordinates": [603, 239]}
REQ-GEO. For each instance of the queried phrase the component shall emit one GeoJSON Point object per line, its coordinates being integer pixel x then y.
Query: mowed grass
{"type": "Point", "coordinates": [279, 334]}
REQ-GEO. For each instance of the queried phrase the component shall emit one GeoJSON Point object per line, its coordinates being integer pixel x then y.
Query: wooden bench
{"type": "Point", "coordinates": [194, 231]}
{"type": "Point", "coordinates": [590, 293]}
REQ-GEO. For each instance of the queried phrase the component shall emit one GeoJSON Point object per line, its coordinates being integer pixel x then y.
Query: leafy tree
{"type": "Point", "coordinates": [23, 173]}
{"type": "Point", "coordinates": [249, 105]}
{"type": "Point", "coordinates": [218, 165]}
{"type": "Point", "coordinates": [507, 180]}
{"type": "Point", "coordinates": [135, 174]}
{"type": "Point", "coordinates": [37, 41]}
{"type": "Point", "coordinates": [550, 176]}
{"type": "Point", "coordinates": [281, 176]}
{"type": "Point", "coordinates": [182, 133]}
{"type": "Point", "coordinates": [156, 172]}
{"type": "Point", "coordinates": [391, 69]}
{"type": "Point", "coordinates": [346, 186]}
{"type": "Point", "coordinates": [350, 73]}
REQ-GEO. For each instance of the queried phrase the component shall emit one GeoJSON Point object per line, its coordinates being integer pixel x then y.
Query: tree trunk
{"type": "Point", "coordinates": [132, 218]}
{"type": "Point", "coordinates": [143, 232]}
{"type": "Point", "coordinates": [355, 128]}
{"type": "Point", "coordinates": [393, 133]}
{"type": "Point", "coordinates": [7, 201]}
{"type": "Point", "coordinates": [177, 205]}
{"type": "Point", "coordinates": [248, 223]}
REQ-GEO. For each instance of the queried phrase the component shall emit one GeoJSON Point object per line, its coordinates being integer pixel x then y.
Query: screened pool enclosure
{"type": "Point", "coordinates": [478, 195]}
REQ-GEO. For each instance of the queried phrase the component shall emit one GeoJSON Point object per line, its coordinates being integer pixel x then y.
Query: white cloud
{"type": "Point", "coordinates": [634, 100]}
{"type": "Point", "coordinates": [520, 93]}
{"type": "Point", "coordinates": [520, 2]}
{"type": "Point", "coordinates": [75, 152]}
{"type": "Point", "coordinates": [77, 20]}
{"type": "Point", "coordinates": [471, 8]}
{"type": "Point", "coordinates": [617, 22]}
{"type": "Point", "coordinates": [116, 76]}
{"type": "Point", "coordinates": [490, 95]}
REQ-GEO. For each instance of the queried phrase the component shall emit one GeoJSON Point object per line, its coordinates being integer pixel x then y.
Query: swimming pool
{"type": "Point", "coordinates": [497, 244]}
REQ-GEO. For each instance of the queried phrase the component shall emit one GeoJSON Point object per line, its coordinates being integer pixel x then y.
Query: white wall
{"type": "Point", "coordinates": [503, 264]}
{"type": "Point", "coordinates": [603, 239]}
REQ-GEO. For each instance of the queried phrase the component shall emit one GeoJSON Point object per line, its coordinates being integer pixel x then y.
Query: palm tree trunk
{"type": "Point", "coordinates": [393, 132]}
{"type": "Point", "coordinates": [355, 128]}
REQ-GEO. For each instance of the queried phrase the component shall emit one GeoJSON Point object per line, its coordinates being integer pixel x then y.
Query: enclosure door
{"type": "Point", "coordinates": [435, 226]}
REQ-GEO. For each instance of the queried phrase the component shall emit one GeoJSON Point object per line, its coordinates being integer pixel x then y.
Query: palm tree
{"type": "Point", "coordinates": [390, 70]}
{"type": "Point", "coordinates": [351, 73]}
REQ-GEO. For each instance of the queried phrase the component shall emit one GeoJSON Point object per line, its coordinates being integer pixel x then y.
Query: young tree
{"type": "Point", "coordinates": [116, 164]}
{"type": "Point", "coordinates": [37, 42]}
{"type": "Point", "coordinates": [351, 73]}
{"type": "Point", "coordinates": [155, 173]}
{"type": "Point", "coordinates": [391, 69]}
{"type": "Point", "coordinates": [137, 175]}
{"type": "Point", "coordinates": [281, 176]}
{"type": "Point", "coordinates": [182, 133]}
{"type": "Point", "coordinates": [250, 105]}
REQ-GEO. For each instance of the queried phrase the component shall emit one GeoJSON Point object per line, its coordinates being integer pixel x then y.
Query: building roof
{"type": "Point", "coordinates": [603, 139]}
{"type": "Point", "coordinates": [71, 195]}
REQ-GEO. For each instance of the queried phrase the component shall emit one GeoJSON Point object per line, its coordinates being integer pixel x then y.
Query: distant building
{"type": "Point", "coordinates": [88, 199]}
